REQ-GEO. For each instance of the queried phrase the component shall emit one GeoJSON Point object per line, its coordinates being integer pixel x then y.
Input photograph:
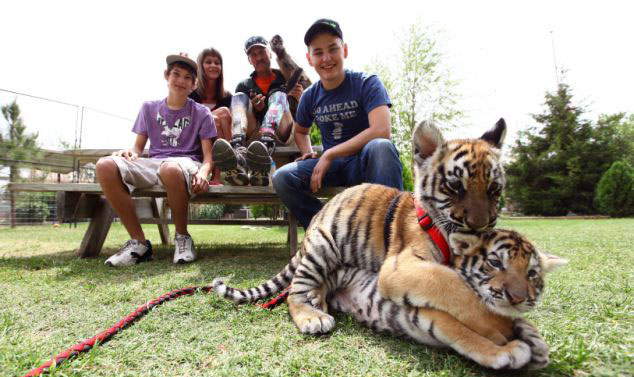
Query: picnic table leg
{"type": "Point", "coordinates": [292, 234]}
{"type": "Point", "coordinates": [164, 230]}
{"type": "Point", "coordinates": [97, 230]}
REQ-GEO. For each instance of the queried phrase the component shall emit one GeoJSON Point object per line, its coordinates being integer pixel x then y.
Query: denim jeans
{"type": "Point", "coordinates": [378, 162]}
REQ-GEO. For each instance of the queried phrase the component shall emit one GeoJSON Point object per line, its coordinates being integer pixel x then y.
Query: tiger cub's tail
{"type": "Point", "coordinates": [264, 290]}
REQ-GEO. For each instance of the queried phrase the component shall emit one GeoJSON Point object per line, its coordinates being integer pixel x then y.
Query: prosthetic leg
{"type": "Point", "coordinates": [259, 152]}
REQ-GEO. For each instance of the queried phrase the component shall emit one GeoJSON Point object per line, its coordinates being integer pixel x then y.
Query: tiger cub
{"type": "Point", "coordinates": [459, 183]}
{"type": "Point", "coordinates": [490, 265]}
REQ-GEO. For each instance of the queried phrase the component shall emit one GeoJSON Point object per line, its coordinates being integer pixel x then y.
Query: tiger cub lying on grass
{"type": "Point", "coordinates": [489, 264]}
{"type": "Point", "coordinates": [375, 228]}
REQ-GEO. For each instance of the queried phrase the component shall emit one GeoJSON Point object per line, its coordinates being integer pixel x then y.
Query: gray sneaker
{"type": "Point", "coordinates": [231, 162]}
{"type": "Point", "coordinates": [132, 252]}
{"type": "Point", "coordinates": [184, 252]}
{"type": "Point", "coordinates": [258, 157]}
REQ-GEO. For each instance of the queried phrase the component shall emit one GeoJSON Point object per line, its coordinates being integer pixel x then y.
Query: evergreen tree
{"type": "Point", "coordinates": [16, 146]}
{"type": "Point", "coordinates": [556, 166]}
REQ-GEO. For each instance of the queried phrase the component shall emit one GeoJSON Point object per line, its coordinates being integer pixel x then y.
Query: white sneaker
{"type": "Point", "coordinates": [184, 252]}
{"type": "Point", "coordinates": [132, 252]}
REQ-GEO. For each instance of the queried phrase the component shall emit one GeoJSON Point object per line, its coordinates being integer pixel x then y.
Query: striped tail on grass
{"type": "Point", "coordinates": [267, 289]}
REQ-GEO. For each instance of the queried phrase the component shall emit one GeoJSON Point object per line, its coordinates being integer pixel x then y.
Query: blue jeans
{"type": "Point", "coordinates": [378, 162]}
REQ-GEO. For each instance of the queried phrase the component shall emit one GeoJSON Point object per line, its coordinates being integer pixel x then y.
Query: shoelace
{"type": "Point", "coordinates": [124, 247]}
{"type": "Point", "coordinates": [181, 242]}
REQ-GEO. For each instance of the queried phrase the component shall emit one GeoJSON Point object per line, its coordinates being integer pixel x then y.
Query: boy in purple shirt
{"type": "Point", "coordinates": [180, 133]}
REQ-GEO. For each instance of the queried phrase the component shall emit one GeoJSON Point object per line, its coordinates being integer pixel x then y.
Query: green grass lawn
{"type": "Point", "coordinates": [51, 300]}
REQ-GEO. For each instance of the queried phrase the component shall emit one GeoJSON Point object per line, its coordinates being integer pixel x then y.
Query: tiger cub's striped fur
{"type": "Point", "coordinates": [459, 184]}
{"type": "Point", "coordinates": [480, 262]}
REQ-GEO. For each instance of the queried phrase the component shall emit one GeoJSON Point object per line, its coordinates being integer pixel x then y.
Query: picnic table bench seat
{"type": "Point", "coordinates": [85, 200]}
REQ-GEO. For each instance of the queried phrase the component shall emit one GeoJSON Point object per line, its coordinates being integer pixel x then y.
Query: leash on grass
{"type": "Point", "coordinates": [103, 337]}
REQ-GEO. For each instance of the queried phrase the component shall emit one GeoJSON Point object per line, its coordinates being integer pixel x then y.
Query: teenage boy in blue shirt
{"type": "Point", "coordinates": [351, 110]}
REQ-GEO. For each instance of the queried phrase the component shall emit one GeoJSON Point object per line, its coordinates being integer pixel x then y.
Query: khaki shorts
{"type": "Point", "coordinates": [144, 172]}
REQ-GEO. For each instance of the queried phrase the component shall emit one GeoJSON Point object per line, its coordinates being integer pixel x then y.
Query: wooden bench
{"type": "Point", "coordinates": [85, 200]}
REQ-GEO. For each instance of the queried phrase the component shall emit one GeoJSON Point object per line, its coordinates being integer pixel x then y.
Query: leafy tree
{"type": "Point", "coordinates": [16, 146]}
{"type": "Point", "coordinates": [615, 191]}
{"type": "Point", "coordinates": [556, 166]}
{"type": "Point", "coordinates": [420, 88]}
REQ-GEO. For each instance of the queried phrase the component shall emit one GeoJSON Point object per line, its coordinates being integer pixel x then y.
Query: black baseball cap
{"type": "Point", "coordinates": [256, 40]}
{"type": "Point", "coordinates": [321, 25]}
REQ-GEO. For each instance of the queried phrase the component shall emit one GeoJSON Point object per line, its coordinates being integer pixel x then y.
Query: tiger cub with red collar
{"type": "Point", "coordinates": [502, 276]}
{"type": "Point", "coordinates": [459, 182]}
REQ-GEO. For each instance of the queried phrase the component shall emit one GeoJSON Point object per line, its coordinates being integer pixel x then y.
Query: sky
{"type": "Point", "coordinates": [108, 57]}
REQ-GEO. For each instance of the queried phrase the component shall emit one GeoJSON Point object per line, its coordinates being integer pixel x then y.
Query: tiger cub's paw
{"type": "Point", "coordinates": [514, 355]}
{"type": "Point", "coordinates": [525, 331]}
{"type": "Point", "coordinates": [317, 324]}
{"type": "Point", "coordinates": [315, 298]}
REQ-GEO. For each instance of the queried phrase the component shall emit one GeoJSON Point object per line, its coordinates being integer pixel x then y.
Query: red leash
{"type": "Point", "coordinates": [103, 337]}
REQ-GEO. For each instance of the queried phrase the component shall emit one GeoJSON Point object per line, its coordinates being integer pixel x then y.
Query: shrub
{"type": "Point", "coordinates": [33, 207]}
{"type": "Point", "coordinates": [210, 211]}
{"type": "Point", "coordinates": [614, 194]}
{"type": "Point", "coordinates": [261, 210]}
{"type": "Point", "coordinates": [408, 175]}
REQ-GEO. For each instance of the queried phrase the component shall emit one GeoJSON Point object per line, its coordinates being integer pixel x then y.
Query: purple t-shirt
{"type": "Point", "coordinates": [175, 133]}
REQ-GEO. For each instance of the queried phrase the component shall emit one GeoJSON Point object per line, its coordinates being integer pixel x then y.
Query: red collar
{"type": "Point", "coordinates": [425, 222]}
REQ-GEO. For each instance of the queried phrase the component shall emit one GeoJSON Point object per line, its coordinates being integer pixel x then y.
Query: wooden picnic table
{"type": "Point", "coordinates": [85, 200]}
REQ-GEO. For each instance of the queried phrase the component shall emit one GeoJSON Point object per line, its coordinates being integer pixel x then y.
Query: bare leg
{"type": "Point", "coordinates": [222, 118]}
{"type": "Point", "coordinates": [119, 198]}
{"type": "Point", "coordinates": [177, 195]}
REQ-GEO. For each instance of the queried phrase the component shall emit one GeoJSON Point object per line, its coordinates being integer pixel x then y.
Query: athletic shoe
{"type": "Point", "coordinates": [132, 252]}
{"type": "Point", "coordinates": [231, 162]}
{"type": "Point", "coordinates": [258, 158]}
{"type": "Point", "coordinates": [259, 178]}
{"type": "Point", "coordinates": [223, 154]}
{"type": "Point", "coordinates": [184, 251]}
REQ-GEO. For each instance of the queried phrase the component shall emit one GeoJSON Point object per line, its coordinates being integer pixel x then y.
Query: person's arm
{"type": "Point", "coordinates": [380, 127]}
{"type": "Point", "coordinates": [136, 150]}
{"type": "Point", "coordinates": [199, 180]}
{"type": "Point", "coordinates": [302, 139]}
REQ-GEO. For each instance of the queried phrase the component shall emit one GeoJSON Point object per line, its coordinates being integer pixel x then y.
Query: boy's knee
{"type": "Point", "coordinates": [105, 167]}
{"type": "Point", "coordinates": [171, 172]}
{"type": "Point", "coordinates": [382, 148]}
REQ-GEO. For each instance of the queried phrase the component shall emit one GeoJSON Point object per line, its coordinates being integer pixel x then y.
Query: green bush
{"type": "Point", "coordinates": [261, 210]}
{"type": "Point", "coordinates": [33, 207]}
{"type": "Point", "coordinates": [210, 211]}
{"type": "Point", "coordinates": [614, 194]}
{"type": "Point", "coordinates": [408, 175]}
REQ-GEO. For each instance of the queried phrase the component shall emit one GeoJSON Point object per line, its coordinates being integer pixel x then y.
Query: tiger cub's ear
{"type": "Point", "coordinates": [495, 136]}
{"type": "Point", "coordinates": [463, 243]}
{"type": "Point", "coordinates": [425, 140]}
{"type": "Point", "coordinates": [551, 262]}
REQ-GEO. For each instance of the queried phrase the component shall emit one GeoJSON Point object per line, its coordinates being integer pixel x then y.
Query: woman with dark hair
{"type": "Point", "coordinates": [211, 93]}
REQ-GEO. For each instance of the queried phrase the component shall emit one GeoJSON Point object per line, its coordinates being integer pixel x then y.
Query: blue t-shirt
{"type": "Point", "coordinates": [342, 113]}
